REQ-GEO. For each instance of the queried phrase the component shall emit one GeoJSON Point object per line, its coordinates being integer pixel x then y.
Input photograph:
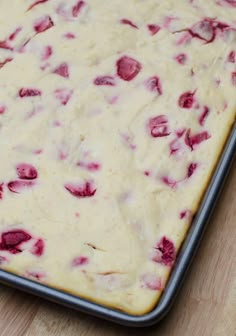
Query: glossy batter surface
{"type": "Point", "coordinates": [112, 117]}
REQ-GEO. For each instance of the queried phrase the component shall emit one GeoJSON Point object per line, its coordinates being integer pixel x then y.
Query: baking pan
{"type": "Point", "coordinates": [183, 261]}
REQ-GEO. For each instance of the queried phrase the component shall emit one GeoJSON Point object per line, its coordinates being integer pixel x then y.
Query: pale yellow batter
{"type": "Point", "coordinates": [113, 114]}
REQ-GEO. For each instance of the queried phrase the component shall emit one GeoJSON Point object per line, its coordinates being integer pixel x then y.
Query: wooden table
{"type": "Point", "coordinates": [206, 305]}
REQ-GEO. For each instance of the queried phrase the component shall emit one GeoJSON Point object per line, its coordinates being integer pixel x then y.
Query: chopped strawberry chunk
{"type": "Point", "coordinates": [158, 126]}
{"type": "Point", "coordinates": [153, 29]}
{"type": "Point", "coordinates": [154, 84]}
{"type": "Point", "coordinates": [182, 214]}
{"type": "Point", "coordinates": [70, 36]}
{"type": "Point", "coordinates": [231, 3]}
{"type": "Point", "coordinates": [1, 190]}
{"type": "Point", "coordinates": [91, 166]}
{"type": "Point", "coordinates": [180, 132]}
{"type": "Point", "coordinates": [7, 60]}
{"type": "Point", "coordinates": [233, 76]}
{"type": "Point", "coordinates": [80, 261]}
{"type": "Point", "coordinates": [128, 68]}
{"type": "Point", "coordinates": [174, 146]}
{"type": "Point", "coordinates": [43, 24]}
{"type": "Point", "coordinates": [11, 240]}
{"type": "Point", "coordinates": [204, 115]}
{"type": "Point", "coordinates": [193, 140]}
{"type": "Point", "coordinates": [152, 282]}
{"type": "Point", "coordinates": [181, 58]}
{"type": "Point", "coordinates": [38, 248]}
{"type": "Point", "coordinates": [63, 95]}
{"type": "Point", "coordinates": [129, 23]}
{"type": "Point", "coordinates": [104, 80]}
{"type": "Point", "coordinates": [207, 29]}
{"type": "Point", "coordinates": [2, 109]}
{"type": "Point", "coordinates": [26, 171]}
{"type": "Point", "coordinates": [232, 57]}
{"type": "Point", "coordinates": [186, 99]}
{"type": "Point", "coordinates": [5, 45]}
{"type": "Point", "coordinates": [165, 252]}
{"type": "Point", "coordinates": [19, 185]}
{"type": "Point", "coordinates": [47, 53]}
{"type": "Point", "coordinates": [36, 275]}
{"type": "Point", "coordinates": [77, 8]}
{"type": "Point", "coordinates": [169, 182]}
{"type": "Point", "coordinates": [29, 92]}
{"type": "Point", "coordinates": [14, 34]}
{"type": "Point", "coordinates": [191, 169]}
{"type": "Point", "coordinates": [62, 70]}
{"type": "Point", "coordinates": [81, 191]}
{"type": "Point", "coordinates": [185, 214]}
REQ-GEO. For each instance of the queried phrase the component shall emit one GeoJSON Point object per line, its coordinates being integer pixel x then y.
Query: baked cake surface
{"type": "Point", "coordinates": [112, 117]}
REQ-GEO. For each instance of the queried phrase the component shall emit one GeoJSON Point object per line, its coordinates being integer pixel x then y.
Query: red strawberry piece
{"type": "Point", "coordinates": [91, 166]}
{"type": "Point", "coordinates": [29, 92]}
{"type": "Point", "coordinates": [7, 60]}
{"type": "Point", "coordinates": [43, 24]}
{"type": "Point", "coordinates": [191, 169]}
{"type": "Point", "coordinates": [80, 261]}
{"type": "Point", "coordinates": [5, 45]}
{"type": "Point", "coordinates": [36, 3]}
{"type": "Point", "coordinates": [47, 53]}
{"type": "Point", "coordinates": [207, 29]}
{"type": "Point", "coordinates": [186, 99]}
{"type": "Point", "coordinates": [154, 84]}
{"type": "Point", "coordinates": [233, 77]}
{"type": "Point", "coordinates": [203, 30]}
{"type": "Point", "coordinates": [11, 240]}
{"type": "Point", "coordinates": [63, 154]}
{"type": "Point", "coordinates": [81, 191]}
{"type": "Point", "coordinates": [1, 190]}
{"type": "Point", "coordinates": [26, 171]}
{"type": "Point", "coordinates": [62, 70]}
{"type": "Point", "coordinates": [77, 8]}
{"type": "Point", "coordinates": [182, 214]}
{"type": "Point", "coordinates": [192, 140]}
{"type": "Point", "coordinates": [232, 57]}
{"type": "Point", "coordinates": [175, 146]}
{"type": "Point", "coordinates": [165, 252]}
{"type": "Point", "coordinates": [104, 80]}
{"type": "Point", "coordinates": [36, 275]}
{"type": "Point", "coordinates": [14, 34]}
{"type": "Point", "coordinates": [2, 109]}
{"type": "Point", "coordinates": [181, 58]}
{"type": "Point", "coordinates": [231, 3]}
{"type": "Point", "coordinates": [153, 29]}
{"type": "Point", "coordinates": [63, 95]}
{"type": "Point", "coordinates": [70, 36]}
{"type": "Point", "coordinates": [128, 68]}
{"type": "Point", "coordinates": [129, 23]}
{"type": "Point", "coordinates": [158, 126]}
{"type": "Point", "coordinates": [37, 151]}
{"type": "Point", "coordinates": [180, 132]}
{"type": "Point", "coordinates": [169, 182]}
{"type": "Point", "coordinates": [185, 214]}
{"type": "Point", "coordinates": [204, 115]}
{"type": "Point", "coordinates": [18, 185]}
{"type": "Point", "coordinates": [152, 282]}
{"type": "Point", "coordinates": [38, 248]}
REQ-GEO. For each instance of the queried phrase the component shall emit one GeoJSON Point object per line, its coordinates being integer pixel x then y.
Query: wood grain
{"type": "Point", "coordinates": [206, 305]}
